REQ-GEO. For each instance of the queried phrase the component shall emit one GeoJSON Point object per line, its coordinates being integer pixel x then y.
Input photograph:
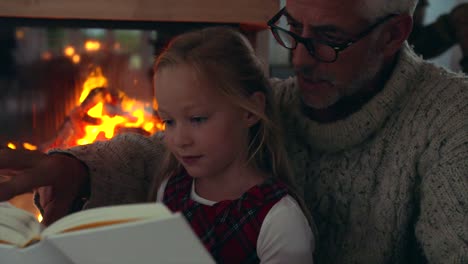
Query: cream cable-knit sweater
{"type": "Point", "coordinates": [386, 185]}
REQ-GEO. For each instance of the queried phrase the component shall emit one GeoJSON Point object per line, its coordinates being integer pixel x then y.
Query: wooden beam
{"type": "Point", "coordinates": [249, 12]}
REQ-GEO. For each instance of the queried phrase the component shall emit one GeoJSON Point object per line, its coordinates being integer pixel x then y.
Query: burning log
{"type": "Point", "coordinates": [100, 114]}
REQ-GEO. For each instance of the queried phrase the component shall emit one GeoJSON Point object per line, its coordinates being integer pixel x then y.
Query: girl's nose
{"type": "Point", "coordinates": [182, 137]}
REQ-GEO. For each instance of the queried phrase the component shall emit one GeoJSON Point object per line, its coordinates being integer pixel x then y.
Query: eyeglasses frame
{"type": "Point", "coordinates": [309, 41]}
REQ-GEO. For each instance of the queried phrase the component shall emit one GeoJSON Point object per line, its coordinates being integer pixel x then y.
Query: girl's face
{"type": "Point", "coordinates": [205, 132]}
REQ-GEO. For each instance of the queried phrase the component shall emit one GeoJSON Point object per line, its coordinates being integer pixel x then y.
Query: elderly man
{"type": "Point", "coordinates": [377, 136]}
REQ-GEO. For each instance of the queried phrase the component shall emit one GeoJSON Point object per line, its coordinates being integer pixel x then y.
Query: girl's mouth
{"type": "Point", "coordinates": [190, 160]}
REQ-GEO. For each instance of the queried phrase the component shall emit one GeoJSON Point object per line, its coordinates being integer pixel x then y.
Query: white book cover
{"type": "Point", "coordinates": [139, 233]}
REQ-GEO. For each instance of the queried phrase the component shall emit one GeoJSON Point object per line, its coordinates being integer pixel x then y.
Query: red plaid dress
{"type": "Point", "coordinates": [228, 229]}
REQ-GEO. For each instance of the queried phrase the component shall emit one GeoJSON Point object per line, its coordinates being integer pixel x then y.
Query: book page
{"type": "Point", "coordinates": [17, 226]}
{"type": "Point", "coordinates": [109, 215]}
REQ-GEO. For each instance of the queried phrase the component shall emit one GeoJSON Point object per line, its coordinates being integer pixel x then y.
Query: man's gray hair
{"type": "Point", "coordinates": [373, 9]}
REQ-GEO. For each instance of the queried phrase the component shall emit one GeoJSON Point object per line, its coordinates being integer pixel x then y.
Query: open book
{"type": "Point", "coordinates": [136, 233]}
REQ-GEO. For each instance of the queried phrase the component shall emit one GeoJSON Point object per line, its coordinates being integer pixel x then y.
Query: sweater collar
{"type": "Point", "coordinates": [361, 125]}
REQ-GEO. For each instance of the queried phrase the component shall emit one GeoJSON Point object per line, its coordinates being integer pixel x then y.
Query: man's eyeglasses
{"type": "Point", "coordinates": [321, 50]}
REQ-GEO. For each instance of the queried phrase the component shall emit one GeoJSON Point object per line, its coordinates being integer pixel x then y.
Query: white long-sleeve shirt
{"type": "Point", "coordinates": [285, 235]}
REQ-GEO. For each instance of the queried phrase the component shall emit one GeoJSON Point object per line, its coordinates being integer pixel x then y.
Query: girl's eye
{"type": "Point", "coordinates": [198, 119]}
{"type": "Point", "coordinates": [167, 122]}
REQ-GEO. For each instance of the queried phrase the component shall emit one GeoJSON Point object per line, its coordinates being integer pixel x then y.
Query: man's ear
{"type": "Point", "coordinates": [396, 32]}
{"type": "Point", "coordinates": [257, 100]}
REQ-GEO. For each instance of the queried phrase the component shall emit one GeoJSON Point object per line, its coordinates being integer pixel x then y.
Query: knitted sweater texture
{"type": "Point", "coordinates": [388, 184]}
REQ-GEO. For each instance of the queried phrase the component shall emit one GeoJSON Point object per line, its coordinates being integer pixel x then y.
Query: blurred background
{"type": "Point", "coordinates": [435, 8]}
{"type": "Point", "coordinates": [71, 81]}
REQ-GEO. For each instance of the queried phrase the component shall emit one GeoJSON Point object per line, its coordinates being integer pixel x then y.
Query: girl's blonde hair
{"type": "Point", "coordinates": [224, 57]}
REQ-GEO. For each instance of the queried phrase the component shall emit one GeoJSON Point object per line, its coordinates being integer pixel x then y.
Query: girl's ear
{"type": "Point", "coordinates": [257, 100]}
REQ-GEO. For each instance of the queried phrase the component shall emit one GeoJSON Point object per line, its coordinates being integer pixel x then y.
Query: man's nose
{"type": "Point", "coordinates": [302, 58]}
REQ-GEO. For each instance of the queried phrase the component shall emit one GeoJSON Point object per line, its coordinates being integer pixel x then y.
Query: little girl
{"type": "Point", "coordinates": [226, 168]}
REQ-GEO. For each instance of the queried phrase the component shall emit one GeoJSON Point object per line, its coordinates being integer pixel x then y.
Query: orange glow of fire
{"type": "Point", "coordinates": [29, 146]}
{"type": "Point", "coordinates": [76, 59]}
{"type": "Point", "coordinates": [26, 145]}
{"type": "Point", "coordinates": [95, 79]}
{"type": "Point", "coordinates": [69, 51]}
{"type": "Point", "coordinates": [20, 34]}
{"type": "Point", "coordinates": [11, 145]}
{"type": "Point", "coordinates": [108, 123]}
{"type": "Point", "coordinates": [92, 45]}
{"type": "Point", "coordinates": [46, 55]}
{"type": "Point", "coordinates": [136, 116]}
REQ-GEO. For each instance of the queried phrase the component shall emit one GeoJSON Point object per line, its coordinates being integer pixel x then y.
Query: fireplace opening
{"type": "Point", "coordinates": [59, 84]}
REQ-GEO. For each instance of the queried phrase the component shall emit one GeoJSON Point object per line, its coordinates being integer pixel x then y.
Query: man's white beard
{"type": "Point", "coordinates": [369, 72]}
{"type": "Point", "coordinates": [331, 98]}
{"type": "Point", "coordinates": [372, 66]}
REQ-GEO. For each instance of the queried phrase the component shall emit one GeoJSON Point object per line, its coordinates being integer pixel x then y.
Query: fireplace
{"type": "Point", "coordinates": [55, 53]}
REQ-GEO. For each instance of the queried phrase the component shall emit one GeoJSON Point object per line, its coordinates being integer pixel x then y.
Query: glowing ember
{"type": "Point", "coordinates": [29, 146]}
{"type": "Point", "coordinates": [92, 45]}
{"type": "Point", "coordinates": [69, 51]}
{"type": "Point", "coordinates": [76, 59]}
{"type": "Point", "coordinates": [11, 145]}
{"type": "Point", "coordinates": [26, 145]}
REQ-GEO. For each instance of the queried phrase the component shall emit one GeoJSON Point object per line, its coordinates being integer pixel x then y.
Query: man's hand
{"type": "Point", "coordinates": [22, 171]}
{"type": "Point", "coordinates": [61, 178]}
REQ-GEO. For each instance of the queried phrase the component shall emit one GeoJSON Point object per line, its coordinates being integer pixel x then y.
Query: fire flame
{"type": "Point", "coordinates": [133, 115]}
{"type": "Point", "coordinates": [95, 79]}
{"type": "Point", "coordinates": [136, 119]}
